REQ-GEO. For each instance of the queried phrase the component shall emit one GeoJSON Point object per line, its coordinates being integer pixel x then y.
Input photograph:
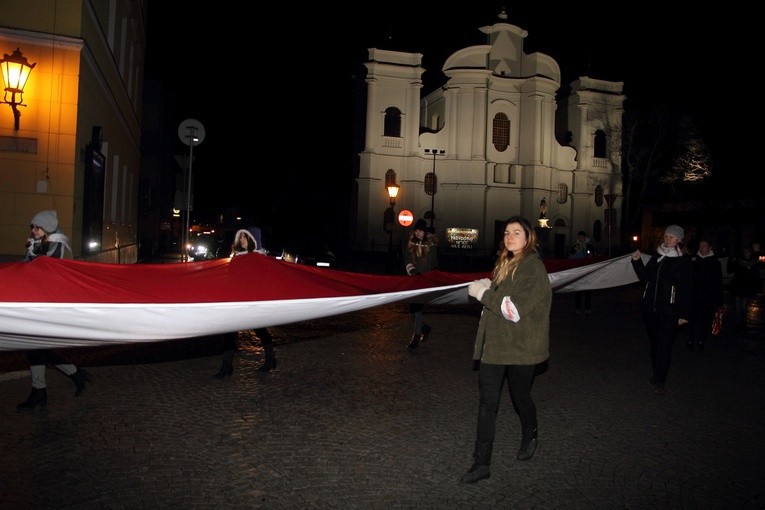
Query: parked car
{"type": "Point", "coordinates": [205, 246]}
{"type": "Point", "coordinates": [310, 254]}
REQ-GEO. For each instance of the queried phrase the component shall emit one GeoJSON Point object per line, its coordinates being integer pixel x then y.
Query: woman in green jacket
{"type": "Point", "coordinates": [513, 338]}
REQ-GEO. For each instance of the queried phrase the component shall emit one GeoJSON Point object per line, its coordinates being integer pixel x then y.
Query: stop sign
{"type": "Point", "coordinates": [405, 218]}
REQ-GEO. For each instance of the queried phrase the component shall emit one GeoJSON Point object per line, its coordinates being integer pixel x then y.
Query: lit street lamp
{"type": "Point", "coordinates": [390, 218]}
{"type": "Point", "coordinates": [431, 184]}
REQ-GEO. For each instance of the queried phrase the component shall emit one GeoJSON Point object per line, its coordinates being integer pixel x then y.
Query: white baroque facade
{"type": "Point", "coordinates": [501, 130]}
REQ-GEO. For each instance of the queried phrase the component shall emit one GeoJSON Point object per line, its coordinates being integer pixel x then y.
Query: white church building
{"type": "Point", "coordinates": [495, 140]}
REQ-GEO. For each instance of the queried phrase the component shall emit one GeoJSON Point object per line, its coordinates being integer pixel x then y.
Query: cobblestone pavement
{"type": "Point", "coordinates": [352, 419]}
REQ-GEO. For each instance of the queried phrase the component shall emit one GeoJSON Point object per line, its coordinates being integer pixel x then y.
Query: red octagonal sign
{"type": "Point", "coordinates": [405, 218]}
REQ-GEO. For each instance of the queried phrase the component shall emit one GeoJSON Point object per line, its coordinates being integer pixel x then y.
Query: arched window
{"type": "Point", "coordinates": [562, 193]}
{"type": "Point", "coordinates": [598, 195]}
{"type": "Point", "coordinates": [390, 178]}
{"type": "Point", "coordinates": [500, 135]}
{"type": "Point", "coordinates": [392, 122]}
{"type": "Point", "coordinates": [600, 144]}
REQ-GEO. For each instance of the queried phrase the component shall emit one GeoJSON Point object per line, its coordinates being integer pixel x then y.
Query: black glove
{"type": "Point", "coordinates": [476, 365]}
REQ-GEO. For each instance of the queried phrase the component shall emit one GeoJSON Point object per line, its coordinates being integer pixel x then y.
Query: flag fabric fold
{"type": "Point", "coordinates": [49, 303]}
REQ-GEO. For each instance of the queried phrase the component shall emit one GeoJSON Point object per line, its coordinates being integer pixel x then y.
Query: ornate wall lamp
{"type": "Point", "coordinates": [16, 70]}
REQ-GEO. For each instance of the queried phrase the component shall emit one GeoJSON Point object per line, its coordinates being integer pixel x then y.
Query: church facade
{"type": "Point", "coordinates": [497, 139]}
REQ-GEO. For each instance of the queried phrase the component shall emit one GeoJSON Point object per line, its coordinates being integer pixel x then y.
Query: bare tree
{"type": "Point", "coordinates": [692, 164]}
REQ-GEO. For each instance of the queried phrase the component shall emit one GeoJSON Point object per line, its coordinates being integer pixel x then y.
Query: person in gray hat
{"type": "Point", "coordinates": [48, 240]}
{"type": "Point", "coordinates": [667, 299]}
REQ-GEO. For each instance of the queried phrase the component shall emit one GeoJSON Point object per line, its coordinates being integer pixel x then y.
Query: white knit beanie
{"type": "Point", "coordinates": [48, 220]}
{"type": "Point", "coordinates": [675, 230]}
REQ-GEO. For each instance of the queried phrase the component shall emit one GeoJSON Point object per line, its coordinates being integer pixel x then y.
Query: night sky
{"type": "Point", "coordinates": [693, 61]}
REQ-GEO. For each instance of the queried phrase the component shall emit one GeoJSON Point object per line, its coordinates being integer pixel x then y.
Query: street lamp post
{"type": "Point", "coordinates": [431, 184]}
{"type": "Point", "coordinates": [390, 219]}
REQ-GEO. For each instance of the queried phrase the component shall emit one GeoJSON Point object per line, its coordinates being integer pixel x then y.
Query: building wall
{"type": "Point", "coordinates": [477, 184]}
{"type": "Point", "coordinates": [89, 58]}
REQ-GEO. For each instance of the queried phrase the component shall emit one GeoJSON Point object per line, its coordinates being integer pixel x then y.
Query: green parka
{"type": "Point", "coordinates": [499, 340]}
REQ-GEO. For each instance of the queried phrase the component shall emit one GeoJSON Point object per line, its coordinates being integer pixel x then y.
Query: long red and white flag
{"type": "Point", "coordinates": [50, 303]}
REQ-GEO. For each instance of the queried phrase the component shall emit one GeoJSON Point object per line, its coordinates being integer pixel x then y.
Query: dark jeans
{"type": "Point", "coordinates": [662, 330]}
{"type": "Point", "coordinates": [490, 380]}
{"type": "Point", "coordinates": [700, 325]}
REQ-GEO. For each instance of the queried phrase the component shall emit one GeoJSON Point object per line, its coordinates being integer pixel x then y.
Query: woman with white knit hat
{"type": "Point", "coordinates": [48, 240]}
{"type": "Point", "coordinates": [667, 299]}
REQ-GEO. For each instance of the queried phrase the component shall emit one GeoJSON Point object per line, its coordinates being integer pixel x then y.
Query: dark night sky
{"type": "Point", "coordinates": [676, 59]}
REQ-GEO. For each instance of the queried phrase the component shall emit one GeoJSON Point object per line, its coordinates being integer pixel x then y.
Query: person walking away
{"type": "Point", "coordinates": [581, 250]}
{"type": "Point", "coordinates": [666, 302]}
{"type": "Point", "coordinates": [420, 257]}
{"type": "Point", "coordinates": [707, 294]}
{"type": "Point", "coordinates": [246, 241]}
{"type": "Point", "coordinates": [48, 240]}
{"type": "Point", "coordinates": [744, 284]}
{"type": "Point", "coordinates": [513, 338]}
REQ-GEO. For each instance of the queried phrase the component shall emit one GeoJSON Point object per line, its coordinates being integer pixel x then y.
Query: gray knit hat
{"type": "Point", "coordinates": [675, 230]}
{"type": "Point", "coordinates": [48, 220]}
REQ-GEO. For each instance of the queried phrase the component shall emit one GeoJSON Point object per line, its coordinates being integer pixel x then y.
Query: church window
{"type": "Point", "coordinates": [562, 193]}
{"type": "Point", "coordinates": [392, 122]}
{"type": "Point", "coordinates": [500, 135]}
{"type": "Point", "coordinates": [600, 144]}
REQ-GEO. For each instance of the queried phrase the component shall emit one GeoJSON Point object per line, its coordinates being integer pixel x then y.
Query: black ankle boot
{"type": "Point", "coordinates": [529, 444]}
{"type": "Point", "coordinates": [80, 378]}
{"type": "Point", "coordinates": [226, 369]}
{"type": "Point", "coordinates": [415, 341]}
{"type": "Point", "coordinates": [268, 365]}
{"type": "Point", "coordinates": [425, 332]}
{"type": "Point", "coordinates": [482, 459]}
{"type": "Point", "coordinates": [38, 397]}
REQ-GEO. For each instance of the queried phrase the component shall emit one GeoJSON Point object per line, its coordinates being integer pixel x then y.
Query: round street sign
{"type": "Point", "coordinates": [191, 130]}
{"type": "Point", "coordinates": [405, 218]}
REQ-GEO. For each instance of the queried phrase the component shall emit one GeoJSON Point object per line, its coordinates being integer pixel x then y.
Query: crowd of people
{"type": "Point", "coordinates": [683, 289]}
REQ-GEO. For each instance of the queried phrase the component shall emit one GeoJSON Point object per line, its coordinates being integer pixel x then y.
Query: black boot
{"type": "Point", "coordinates": [415, 341]}
{"type": "Point", "coordinates": [80, 378]}
{"type": "Point", "coordinates": [38, 397]}
{"type": "Point", "coordinates": [425, 332]}
{"type": "Point", "coordinates": [268, 365]}
{"type": "Point", "coordinates": [529, 440]}
{"type": "Point", "coordinates": [226, 369]}
{"type": "Point", "coordinates": [480, 468]}
{"type": "Point", "coordinates": [529, 444]}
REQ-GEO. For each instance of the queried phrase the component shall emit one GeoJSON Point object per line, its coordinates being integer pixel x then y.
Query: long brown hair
{"type": "Point", "coordinates": [507, 261]}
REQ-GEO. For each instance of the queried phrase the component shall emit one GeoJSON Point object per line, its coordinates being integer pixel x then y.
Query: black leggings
{"type": "Point", "coordinates": [491, 378]}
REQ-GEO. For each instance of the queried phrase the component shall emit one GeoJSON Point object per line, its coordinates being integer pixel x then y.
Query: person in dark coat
{"type": "Point", "coordinates": [420, 257]}
{"type": "Point", "coordinates": [707, 294]}
{"type": "Point", "coordinates": [246, 241]}
{"type": "Point", "coordinates": [745, 283]}
{"type": "Point", "coordinates": [667, 299]}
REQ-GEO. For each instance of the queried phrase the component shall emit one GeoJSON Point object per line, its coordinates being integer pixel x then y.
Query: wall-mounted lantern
{"type": "Point", "coordinates": [16, 70]}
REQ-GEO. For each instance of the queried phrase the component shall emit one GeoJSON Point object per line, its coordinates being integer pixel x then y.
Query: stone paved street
{"type": "Point", "coordinates": [354, 420]}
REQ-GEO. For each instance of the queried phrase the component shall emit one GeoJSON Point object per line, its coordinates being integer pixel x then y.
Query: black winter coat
{"type": "Point", "coordinates": [668, 287]}
{"type": "Point", "coordinates": [707, 282]}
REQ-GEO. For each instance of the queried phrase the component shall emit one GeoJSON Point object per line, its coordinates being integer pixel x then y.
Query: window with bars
{"type": "Point", "coordinates": [500, 135]}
